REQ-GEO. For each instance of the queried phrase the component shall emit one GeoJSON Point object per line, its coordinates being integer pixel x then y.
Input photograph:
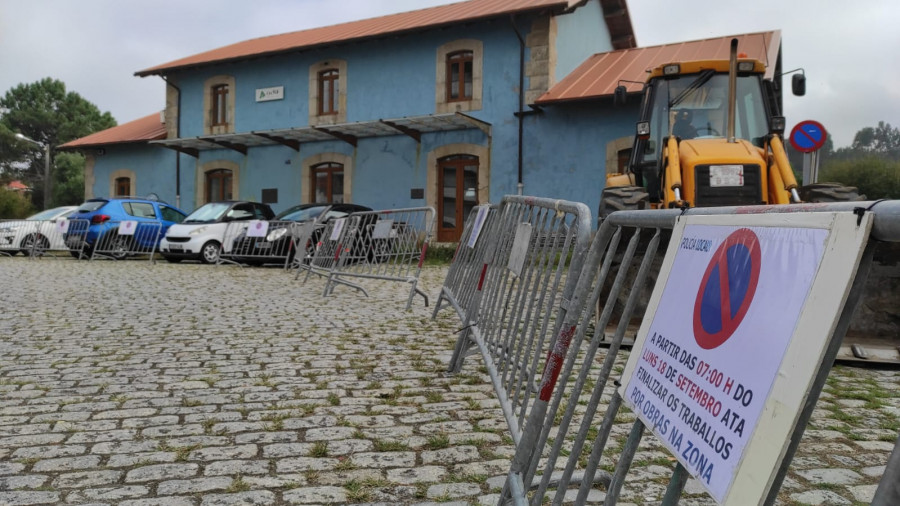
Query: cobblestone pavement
{"type": "Point", "coordinates": [137, 384]}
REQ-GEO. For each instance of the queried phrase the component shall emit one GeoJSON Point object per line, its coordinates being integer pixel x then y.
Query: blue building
{"type": "Point", "coordinates": [449, 107]}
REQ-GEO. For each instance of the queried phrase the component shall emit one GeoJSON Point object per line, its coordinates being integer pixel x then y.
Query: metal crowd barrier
{"type": "Point", "coordinates": [259, 242]}
{"type": "Point", "coordinates": [33, 238]}
{"type": "Point", "coordinates": [560, 450]}
{"type": "Point", "coordinates": [531, 254]}
{"type": "Point", "coordinates": [458, 289]}
{"type": "Point", "coordinates": [329, 243]}
{"type": "Point", "coordinates": [128, 238]}
{"type": "Point", "coordinates": [388, 245]}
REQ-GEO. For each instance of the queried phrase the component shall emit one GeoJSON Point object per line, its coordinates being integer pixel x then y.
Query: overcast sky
{"type": "Point", "coordinates": [848, 49]}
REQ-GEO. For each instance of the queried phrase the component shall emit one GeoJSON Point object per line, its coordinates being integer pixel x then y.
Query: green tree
{"type": "Point", "coordinates": [876, 177]}
{"type": "Point", "coordinates": [46, 112]}
{"type": "Point", "coordinates": [68, 182]}
{"type": "Point", "coordinates": [14, 206]}
{"type": "Point", "coordinates": [871, 163]}
{"type": "Point", "coordinates": [882, 139]}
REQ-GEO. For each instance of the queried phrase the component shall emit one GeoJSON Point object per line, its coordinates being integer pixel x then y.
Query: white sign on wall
{"type": "Point", "coordinates": [740, 319]}
{"type": "Point", "coordinates": [266, 94]}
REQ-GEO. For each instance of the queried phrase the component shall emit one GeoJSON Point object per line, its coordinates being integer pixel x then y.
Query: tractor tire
{"type": "Point", "coordinates": [622, 198]}
{"type": "Point", "coordinates": [829, 192]}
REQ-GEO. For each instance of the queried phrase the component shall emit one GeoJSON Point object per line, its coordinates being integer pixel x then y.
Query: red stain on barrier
{"type": "Point", "coordinates": [483, 273]}
{"type": "Point", "coordinates": [422, 256]}
{"type": "Point", "coordinates": [555, 362]}
{"type": "Point", "coordinates": [337, 252]}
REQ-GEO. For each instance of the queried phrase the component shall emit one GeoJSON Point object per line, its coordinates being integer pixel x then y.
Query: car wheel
{"type": "Point", "coordinates": [121, 245]}
{"type": "Point", "coordinates": [209, 253]}
{"type": "Point", "coordinates": [83, 254]}
{"type": "Point", "coordinates": [28, 244]}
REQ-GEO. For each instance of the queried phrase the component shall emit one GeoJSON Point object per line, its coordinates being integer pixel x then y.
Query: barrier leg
{"type": "Point", "coordinates": [631, 446]}
{"type": "Point", "coordinates": [888, 492]}
{"type": "Point", "coordinates": [676, 486]}
{"type": "Point", "coordinates": [590, 470]}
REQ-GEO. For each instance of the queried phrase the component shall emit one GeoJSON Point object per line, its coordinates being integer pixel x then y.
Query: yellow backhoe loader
{"type": "Point", "coordinates": [710, 134]}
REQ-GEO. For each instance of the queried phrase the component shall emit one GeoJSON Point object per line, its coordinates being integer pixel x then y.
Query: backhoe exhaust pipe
{"type": "Point", "coordinates": [732, 89]}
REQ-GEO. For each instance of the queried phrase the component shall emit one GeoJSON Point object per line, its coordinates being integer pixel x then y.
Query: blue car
{"type": "Point", "coordinates": [103, 216]}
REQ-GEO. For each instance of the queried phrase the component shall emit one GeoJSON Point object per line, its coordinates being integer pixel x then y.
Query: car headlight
{"type": "Point", "coordinates": [276, 234]}
{"type": "Point", "coordinates": [197, 231]}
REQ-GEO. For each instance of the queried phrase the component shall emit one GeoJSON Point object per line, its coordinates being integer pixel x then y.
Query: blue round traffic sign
{"type": "Point", "coordinates": [727, 289]}
{"type": "Point", "coordinates": [808, 136]}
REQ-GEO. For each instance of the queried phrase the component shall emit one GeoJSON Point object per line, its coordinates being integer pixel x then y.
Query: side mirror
{"type": "Point", "coordinates": [619, 95]}
{"type": "Point", "coordinates": [798, 84]}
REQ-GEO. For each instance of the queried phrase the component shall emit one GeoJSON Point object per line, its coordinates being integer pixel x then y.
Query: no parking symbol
{"type": "Point", "coordinates": [727, 289]}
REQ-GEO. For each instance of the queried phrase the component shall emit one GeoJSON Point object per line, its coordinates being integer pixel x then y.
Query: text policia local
{"type": "Point", "coordinates": [701, 400]}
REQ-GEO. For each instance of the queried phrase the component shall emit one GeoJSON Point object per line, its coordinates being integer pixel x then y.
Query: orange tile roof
{"type": "Point", "coordinates": [599, 75]}
{"type": "Point", "coordinates": [471, 10]}
{"type": "Point", "coordinates": [17, 185]}
{"type": "Point", "coordinates": [148, 128]}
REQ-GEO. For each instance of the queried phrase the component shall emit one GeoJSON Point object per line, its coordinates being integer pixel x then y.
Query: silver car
{"type": "Point", "coordinates": [35, 232]}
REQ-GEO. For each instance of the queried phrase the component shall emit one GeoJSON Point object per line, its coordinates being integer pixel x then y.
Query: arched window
{"type": "Point", "coordinates": [327, 183]}
{"type": "Point", "coordinates": [123, 186]}
{"type": "Point", "coordinates": [459, 76]}
{"type": "Point", "coordinates": [329, 90]}
{"type": "Point", "coordinates": [219, 105]}
{"type": "Point", "coordinates": [457, 194]}
{"type": "Point", "coordinates": [219, 185]}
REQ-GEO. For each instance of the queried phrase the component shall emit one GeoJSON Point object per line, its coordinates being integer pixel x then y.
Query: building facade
{"type": "Point", "coordinates": [448, 107]}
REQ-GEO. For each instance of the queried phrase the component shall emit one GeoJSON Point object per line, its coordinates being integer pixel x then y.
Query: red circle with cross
{"type": "Point", "coordinates": [727, 289]}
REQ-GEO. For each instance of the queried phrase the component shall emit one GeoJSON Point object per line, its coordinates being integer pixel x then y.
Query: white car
{"type": "Point", "coordinates": [37, 231]}
{"type": "Point", "coordinates": [200, 235]}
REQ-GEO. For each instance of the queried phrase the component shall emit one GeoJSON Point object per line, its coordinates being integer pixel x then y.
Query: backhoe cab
{"type": "Point", "coordinates": [708, 135]}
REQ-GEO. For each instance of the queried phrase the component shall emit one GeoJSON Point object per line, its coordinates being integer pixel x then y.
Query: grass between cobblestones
{"type": "Point", "coordinates": [153, 374]}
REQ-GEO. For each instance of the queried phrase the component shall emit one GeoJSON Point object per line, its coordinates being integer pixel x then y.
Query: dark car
{"type": "Point", "coordinates": [201, 235]}
{"type": "Point", "coordinates": [278, 244]}
{"type": "Point", "coordinates": [96, 219]}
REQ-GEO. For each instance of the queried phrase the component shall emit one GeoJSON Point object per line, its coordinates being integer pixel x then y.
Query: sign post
{"type": "Point", "coordinates": [808, 137]}
{"type": "Point", "coordinates": [733, 337]}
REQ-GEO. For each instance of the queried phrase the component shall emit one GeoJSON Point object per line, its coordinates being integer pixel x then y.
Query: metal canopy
{"type": "Point", "coordinates": [412, 126]}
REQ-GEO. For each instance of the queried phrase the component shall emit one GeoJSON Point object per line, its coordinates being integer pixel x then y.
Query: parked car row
{"type": "Point", "coordinates": [171, 232]}
{"type": "Point", "coordinates": [163, 228]}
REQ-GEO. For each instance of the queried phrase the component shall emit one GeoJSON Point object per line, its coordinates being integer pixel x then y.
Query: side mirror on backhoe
{"type": "Point", "coordinates": [798, 84]}
{"type": "Point", "coordinates": [619, 95]}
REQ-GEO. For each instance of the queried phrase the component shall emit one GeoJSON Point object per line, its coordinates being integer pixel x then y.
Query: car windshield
{"type": "Point", "coordinates": [300, 213]}
{"type": "Point", "coordinates": [208, 212]}
{"type": "Point", "coordinates": [90, 206]}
